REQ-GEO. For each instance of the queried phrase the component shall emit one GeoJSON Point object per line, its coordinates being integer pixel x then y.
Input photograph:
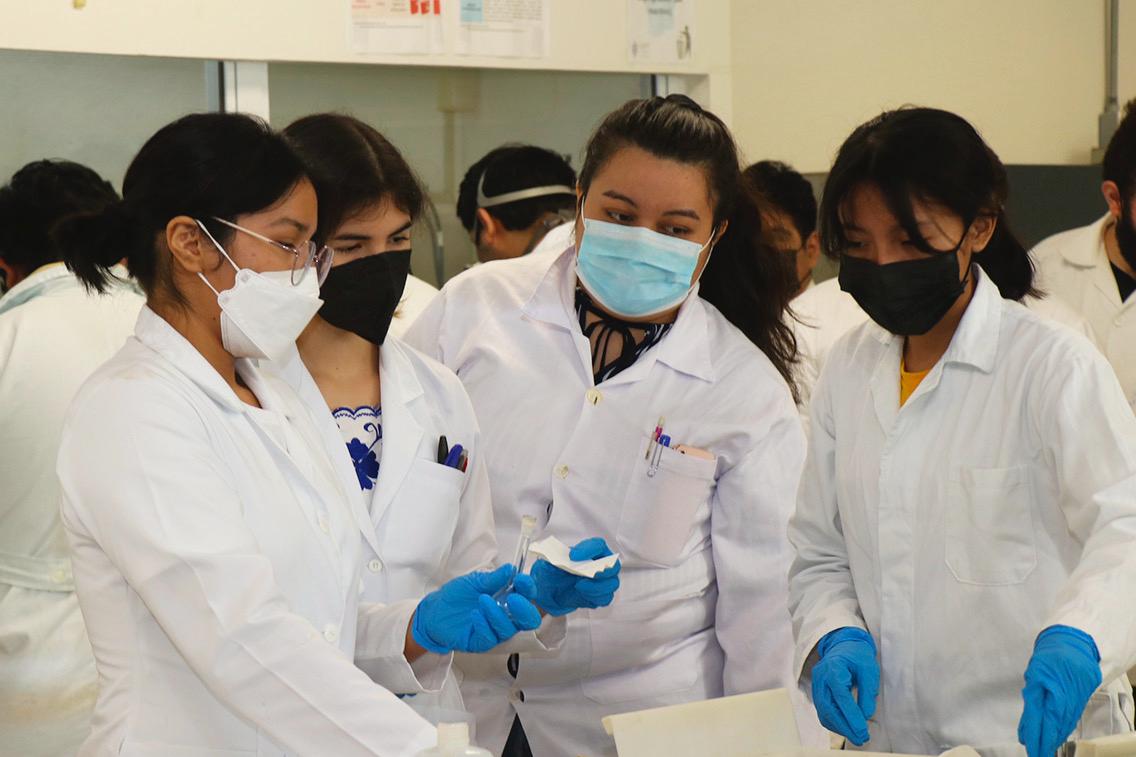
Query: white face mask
{"type": "Point", "coordinates": [263, 313]}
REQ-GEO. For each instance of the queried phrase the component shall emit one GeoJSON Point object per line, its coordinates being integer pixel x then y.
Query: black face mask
{"type": "Point", "coordinates": [906, 298]}
{"type": "Point", "coordinates": [361, 296]}
{"type": "Point", "coordinates": [1126, 237]}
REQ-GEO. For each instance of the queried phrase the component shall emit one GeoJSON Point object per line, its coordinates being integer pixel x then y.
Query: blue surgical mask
{"type": "Point", "coordinates": [632, 271]}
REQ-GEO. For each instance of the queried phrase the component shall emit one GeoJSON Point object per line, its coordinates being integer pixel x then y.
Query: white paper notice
{"type": "Point", "coordinates": [503, 28]}
{"type": "Point", "coordinates": [396, 27]}
{"type": "Point", "coordinates": [557, 553]}
{"type": "Point", "coordinates": [660, 31]}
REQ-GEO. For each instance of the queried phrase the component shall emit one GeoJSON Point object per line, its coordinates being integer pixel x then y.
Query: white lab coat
{"type": "Point", "coordinates": [430, 523]}
{"type": "Point", "coordinates": [999, 500]}
{"type": "Point", "coordinates": [824, 313]}
{"type": "Point", "coordinates": [1074, 267]}
{"type": "Point", "coordinates": [218, 563]}
{"type": "Point", "coordinates": [416, 295]}
{"type": "Point", "coordinates": [53, 335]}
{"type": "Point", "coordinates": [701, 608]}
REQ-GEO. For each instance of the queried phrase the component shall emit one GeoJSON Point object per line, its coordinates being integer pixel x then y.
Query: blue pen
{"type": "Point", "coordinates": [454, 456]}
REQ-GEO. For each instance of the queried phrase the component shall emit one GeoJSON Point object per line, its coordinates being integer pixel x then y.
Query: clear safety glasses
{"type": "Point", "coordinates": [307, 255]}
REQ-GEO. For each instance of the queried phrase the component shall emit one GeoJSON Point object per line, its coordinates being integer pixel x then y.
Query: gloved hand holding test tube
{"type": "Point", "coordinates": [563, 580]}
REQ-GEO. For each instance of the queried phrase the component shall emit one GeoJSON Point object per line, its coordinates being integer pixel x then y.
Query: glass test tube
{"type": "Point", "coordinates": [528, 528]}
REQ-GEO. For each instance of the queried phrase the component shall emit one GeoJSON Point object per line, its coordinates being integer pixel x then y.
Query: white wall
{"type": "Point", "coordinates": [1028, 73]}
{"type": "Point", "coordinates": [587, 35]}
{"type": "Point", "coordinates": [94, 109]}
{"type": "Point", "coordinates": [556, 110]}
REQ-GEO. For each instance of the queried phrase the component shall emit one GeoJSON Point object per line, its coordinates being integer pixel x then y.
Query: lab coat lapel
{"type": "Point", "coordinates": [686, 348]}
{"type": "Point", "coordinates": [402, 434]}
{"type": "Point", "coordinates": [553, 301]}
{"type": "Point", "coordinates": [293, 371]}
{"type": "Point", "coordinates": [885, 377]}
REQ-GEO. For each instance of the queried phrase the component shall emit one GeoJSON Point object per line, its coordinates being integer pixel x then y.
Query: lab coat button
{"type": "Point", "coordinates": [375, 565]}
{"type": "Point", "coordinates": [323, 524]}
{"type": "Point", "coordinates": [517, 696]}
{"type": "Point", "coordinates": [330, 633]}
{"type": "Point", "coordinates": [595, 396]}
{"type": "Point", "coordinates": [59, 575]}
{"type": "Point", "coordinates": [562, 471]}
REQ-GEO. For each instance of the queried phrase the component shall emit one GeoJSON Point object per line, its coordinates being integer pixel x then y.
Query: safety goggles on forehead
{"type": "Point", "coordinates": [307, 255]}
{"type": "Point", "coordinates": [484, 201]}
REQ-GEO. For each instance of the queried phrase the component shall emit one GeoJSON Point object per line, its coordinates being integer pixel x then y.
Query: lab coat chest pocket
{"type": "Point", "coordinates": [660, 511]}
{"type": "Point", "coordinates": [990, 531]}
{"type": "Point", "coordinates": [417, 529]}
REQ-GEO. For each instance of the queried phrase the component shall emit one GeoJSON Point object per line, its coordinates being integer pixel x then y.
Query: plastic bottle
{"type": "Point", "coordinates": [453, 741]}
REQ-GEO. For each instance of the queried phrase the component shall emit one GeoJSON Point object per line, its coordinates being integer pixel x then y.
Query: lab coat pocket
{"type": "Point", "coordinates": [990, 531]}
{"type": "Point", "coordinates": [418, 529]}
{"type": "Point", "coordinates": [659, 511]}
{"type": "Point", "coordinates": [1107, 713]}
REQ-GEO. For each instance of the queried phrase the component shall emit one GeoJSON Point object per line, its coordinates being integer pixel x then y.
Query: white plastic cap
{"type": "Point", "coordinates": [453, 734]}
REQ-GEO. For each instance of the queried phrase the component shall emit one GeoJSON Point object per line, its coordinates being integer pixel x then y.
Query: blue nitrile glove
{"type": "Point", "coordinates": [461, 616]}
{"type": "Point", "coordinates": [1061, 676]}
{"type": "Point", "coordinates": [847, 659]}
{"type": "Point", "coordinates": [558, 592]}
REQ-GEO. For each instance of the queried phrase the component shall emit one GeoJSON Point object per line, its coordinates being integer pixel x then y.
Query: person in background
{"type": "Point", "coordinates": [53, 335]}
{"type": "Point", "coordinates": [218, 556]}
{"type": "Point", "coordinates": [1093, 268]}
{"type": "Point", "coordinates": [385, 405]}
{"type": "Point", "coordinates": [789, 213]}
{"type": "Point", "coordinates": [967, 514]}
{"type": "Point", "coordinates": [512, 197]}
{"type": "Point", "coordinates": [634, 386]}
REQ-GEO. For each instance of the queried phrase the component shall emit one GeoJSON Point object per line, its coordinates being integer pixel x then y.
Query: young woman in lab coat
{"type": "Point", "coordinates": [968, 510]}
{"type": "Point", "coordinates": [389, 404]}
{"type": "Point", "coordinates": [216, 553]}
{"type": "Point", "coordinates": [572, 360]}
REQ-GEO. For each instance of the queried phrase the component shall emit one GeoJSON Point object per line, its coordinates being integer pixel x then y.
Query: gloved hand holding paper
{"type": "Point", "coordinates": [558, 553]}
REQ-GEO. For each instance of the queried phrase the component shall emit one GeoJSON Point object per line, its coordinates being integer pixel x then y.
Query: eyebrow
{"type": "Point", "coordinates": [405, 227]}
{"type": "Point", "coordinates": [685, 212]}
{"type": "Point", "coordinates": [301, 227]}
{"type": "Point", "coordinates": [352, 237]}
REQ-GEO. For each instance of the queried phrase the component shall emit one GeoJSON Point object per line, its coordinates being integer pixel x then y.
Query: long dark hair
{"type": "Point", "coordinates": [745, 279]}
{"type": "Point", "coordinates": [934, 156]}
{"type": "Point", "coordinates": [203, 165]}
{"type": "Point", "coordinates": [352, 166]}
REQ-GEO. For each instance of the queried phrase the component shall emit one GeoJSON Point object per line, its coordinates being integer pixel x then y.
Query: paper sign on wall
{"type": "Point", "coordinates": [504, 28]}
{"type": "Point", "coordinates": [660, 31]}
{"type": "Point", "coordinates": [396, 27]}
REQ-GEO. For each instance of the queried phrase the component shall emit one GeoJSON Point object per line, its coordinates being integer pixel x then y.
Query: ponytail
{"type": "Point", "coordinates": [91, 244]}
{"type": "Point", "coordinates": [751, 284]}
{"type": "Point", "coordinates": [1007, 262]}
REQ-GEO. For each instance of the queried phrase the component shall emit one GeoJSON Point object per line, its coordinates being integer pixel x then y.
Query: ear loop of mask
{"type": "Point", "coordinates": [222, 251]}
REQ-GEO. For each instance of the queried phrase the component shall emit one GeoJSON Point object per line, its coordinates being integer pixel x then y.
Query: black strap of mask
{"type": "Point", "coordinates": [607, 335]}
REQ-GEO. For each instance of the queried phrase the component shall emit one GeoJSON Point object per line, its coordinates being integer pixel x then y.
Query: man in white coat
{"type": "Point", "coordinates": [1093, 268]}
{"type": "Point", "coordinates": [53, 335]}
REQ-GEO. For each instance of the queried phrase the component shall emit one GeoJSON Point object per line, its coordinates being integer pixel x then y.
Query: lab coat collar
{"type": "Point", "coordinates": [47, 276]}
{"type": "Point", "coordinates": [154, 332]}
{"type": "Point", "coordinates": [976, 340]}
{"type": "Point", "coordinates": [1089, 251]}
{"type": "Point", "coordinates": [402, 434]}
{"type": "Point", "coordinates": [975, 343]}
{"type": "Point", "coordinates": [51, 277]}
{"type": "Point", "coordinates": [686, 348]}
{"type": "Point", "coordinates": [553, 299]}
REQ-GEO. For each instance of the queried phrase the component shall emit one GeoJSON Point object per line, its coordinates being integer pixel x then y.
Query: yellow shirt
{"type": "Point", "coordinates": [909, 382]}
